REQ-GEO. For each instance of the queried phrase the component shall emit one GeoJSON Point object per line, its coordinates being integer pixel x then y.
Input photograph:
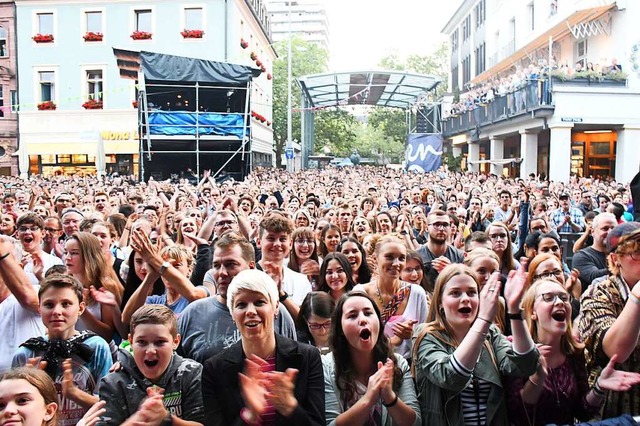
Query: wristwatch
{"type": "Point", "coordinates": [283, 297]}
{"type": "Point", "coordinates": [165, 265]}
{"type": "Point", "coordinates": [515, 316]}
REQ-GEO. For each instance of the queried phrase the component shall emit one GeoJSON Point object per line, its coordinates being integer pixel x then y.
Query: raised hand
{"type": "Point", "coordinates": [404, 330]}
{"type": "Point", "coordinates": [103, 296]}
{"type": "Point", "coordinates": [252, 386]}
{"type": "Point", "coordinates": [386, 392]}
{"type": "Point", "coordinates": [92, 416]}
{"type": "Point", "coordinates": [515, 286]}
{"type": "Point", "coordinates": [489, 298]}
{"type": "Point", "coordinates": [617, 380]}
{"type": "Point", "coordinates": [281, 387]}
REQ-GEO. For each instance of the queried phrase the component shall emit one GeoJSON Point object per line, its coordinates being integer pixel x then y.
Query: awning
{"type": "Point", "coordinates": [58, 148]}
{"type": "Point", "coordinates": [500, 162]}
{"type": "Point", "coordinates": [580, 17]}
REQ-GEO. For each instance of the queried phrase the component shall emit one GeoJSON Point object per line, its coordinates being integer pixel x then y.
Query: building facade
{"type": "Point", "coordinates": [308, 20]}
{"type": "Point", "coordinates": [545, 87]}
{"type": "Point", "coordinates": [77, 115]}
{"type": "Point", "coordinates": [8, 91]}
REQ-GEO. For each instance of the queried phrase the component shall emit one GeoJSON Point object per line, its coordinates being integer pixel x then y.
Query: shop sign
{"type": "Point", "coordinates": [571, 119]}
{"type": "Point", "coordinates": [108, 135]}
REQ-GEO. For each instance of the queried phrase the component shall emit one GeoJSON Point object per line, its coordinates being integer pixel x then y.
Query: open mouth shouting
{"type": "Point", "coordinates": [365, 335]}
{"type": "Point", "coordinates": [559, 315]}
{"type": "Point", "coordinates": [151, 362]}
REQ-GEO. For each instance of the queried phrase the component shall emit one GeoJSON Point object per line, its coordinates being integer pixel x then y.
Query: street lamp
{"type": "Point", "coordinates": [289, 149]}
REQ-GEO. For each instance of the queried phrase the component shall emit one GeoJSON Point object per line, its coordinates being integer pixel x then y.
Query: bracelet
{"type": "Point", "coordinates": [245, 415]}
{"type": "Point", "coordinates": [392, 403]}
{"type": "Point", "coordinates": [515, 317]}
{"type": "Point", "coordinates": [482, 333]}
{"type": "Point", "coordinates": [128, 229]}
{"type": "Point", "coordinates": [534, 383]}
{"type": "Point", "coordinates": [485, 320]}
{"type": "Point", "coordinates": [4, 256]}
{"type": "Point", "coordinates": [634, 298]}
{"type": "Point", "coordinates": [597, 390]}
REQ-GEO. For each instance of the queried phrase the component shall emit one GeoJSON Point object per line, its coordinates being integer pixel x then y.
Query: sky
{"type": "Point", "coordinates": [364, 31]}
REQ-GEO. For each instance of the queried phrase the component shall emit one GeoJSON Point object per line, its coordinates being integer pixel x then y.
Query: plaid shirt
{"type": "Point", "coordinates": [557, 217]}
{"type": "Point", "coordinates": [601, 305]}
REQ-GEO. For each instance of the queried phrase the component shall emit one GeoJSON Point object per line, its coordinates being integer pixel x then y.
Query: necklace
{"type": "Point", "coordinates": [379, 295]}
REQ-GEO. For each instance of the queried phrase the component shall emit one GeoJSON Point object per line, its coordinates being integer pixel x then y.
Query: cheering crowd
{"type": "Point", "coordinates": [354, 296]}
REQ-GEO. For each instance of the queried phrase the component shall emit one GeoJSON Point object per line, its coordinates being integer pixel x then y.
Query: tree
{"type": "Point", "coordinates": [307, 58]}
{"type": "Point", "coordinates": [373, 143]}
{"type": "Point", "coordinates": [336, 129]}
{"type": "Point", "coordinates": [391, 122]}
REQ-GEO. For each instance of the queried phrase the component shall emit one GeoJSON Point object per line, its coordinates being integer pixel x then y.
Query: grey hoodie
{"type": "Point", "coordinates": [124, 390]}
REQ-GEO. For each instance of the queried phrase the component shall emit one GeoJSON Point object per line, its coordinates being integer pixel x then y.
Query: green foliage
{"type": "Point", "coordinates": [307, 58]}
{"type": "Point", "coordinates": [374, 144]}
{"type": "Point", "coordinates": [391, 122]}
{"type": "Point", "coordinates": [336, 129]}
{"type": "Point", "coordinates": [453, 163]}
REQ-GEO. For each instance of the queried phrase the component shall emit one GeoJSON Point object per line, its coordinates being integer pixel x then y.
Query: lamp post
{"type": "Point", "coordinates": [289, 118]}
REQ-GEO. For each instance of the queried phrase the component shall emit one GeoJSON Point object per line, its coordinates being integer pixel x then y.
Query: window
{"type": "Point", "coordinates": [581, 52]}
{"type": "Point", "coordinates": [532, 20]}
{"type": "Point", "coordinates": [45, 23]}
{"type": "Point", "coordinates": [454, 40]}
{"type": "Point", "coordinates": [93, 21]}
{"type": "Point", "coordinates": [480, 12]}
{"type": "Point", "coordinates": [193, 18]}
{"type": "Point", "coordinates": [46, 80]}
{"type": "Point", "coordinates": [143, 20]}
{"type": "Point", "coordinates": [466, 70]}
{"type": "Point", "coordinates": [4, 47]}
{"type": "Point", "coordinates": [454, 78]}
{"type": "Point", "coordinates": [480, 59]}
{"type": "Point", "coordinates": [14, 101]}
{"type": "Point", "coordinates": [94, 84]}
{"type": "Point", "coordinates": [466, 30]}
{"type": "Point", "coordinates": [1, 101]}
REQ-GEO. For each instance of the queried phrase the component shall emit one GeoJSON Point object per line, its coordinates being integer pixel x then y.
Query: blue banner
{"type": "Point", "coordinates": [424, 152]}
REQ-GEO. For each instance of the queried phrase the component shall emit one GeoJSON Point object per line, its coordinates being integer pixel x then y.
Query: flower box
{"type": "Point", "coordinates": [135, 104]}
{"type": "Point", "coordinates": [47, 106]}
{"type": "Point", "coordinates": [141, 35]}
{"type": "Point", "coordinates": [43, 38]}
{"type": "Point", "coordinates": [269, 76]}
{"type": "Point", "coordinates": [243, 43]}
{"type": "Point", "coordinates": [253, 56]}
{"type": "Point", "coordinates": [92, 104]}
{"type": "Point", "coordinates": [91, 36]}
{"type": "Point", "coordinates": [263, 69]}
{"type": "Point", "coordinates": [192, 33]}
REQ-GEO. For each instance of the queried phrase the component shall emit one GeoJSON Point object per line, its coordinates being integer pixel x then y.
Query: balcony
{"type": "Point", "coordinates": [535, 96]}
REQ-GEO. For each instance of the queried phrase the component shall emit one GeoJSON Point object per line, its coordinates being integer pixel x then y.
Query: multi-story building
{"type": "Point", "coordinates": [75, 109]}
{"type": "Point", "coordinates": [308, 21]}
{"type": "Point", "coordinates": [545, 86]}
{"type": "Point", "coordinates": [8, 91]}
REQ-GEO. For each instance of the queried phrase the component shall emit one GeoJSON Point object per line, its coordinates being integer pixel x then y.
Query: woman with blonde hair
{"type": "Point", "coordinates": [485, 262]}
{"type": "Point", "coordinates": [460, 358]}
{"type": "Point", "coordinates": [558, 392]}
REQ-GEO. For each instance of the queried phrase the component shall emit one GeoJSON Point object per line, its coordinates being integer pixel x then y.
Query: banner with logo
{"type": "Point", "coordinates": [424, 152]}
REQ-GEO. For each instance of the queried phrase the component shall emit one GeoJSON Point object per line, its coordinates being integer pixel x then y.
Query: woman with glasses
{"type": "Point", "coordinates": [548, 266]}
{"type": "Point", "coordinates": [353, 250]}
{"type": "Point", "coordinates": [314, 320]}
{"type": "Point", "coordinates": [498, 233]}
{"type": "Point", "coordinates": [558, 392]}
{"type": "Point", "coordinates": [335, 276]}
{"type": "Point", "coordinates": [365, 382]}
{"type": "Point", "coordinates": [304, 257]}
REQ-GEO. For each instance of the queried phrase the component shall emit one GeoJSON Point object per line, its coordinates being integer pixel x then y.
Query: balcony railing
{"type": "Point", "coordinates": [535, 95]}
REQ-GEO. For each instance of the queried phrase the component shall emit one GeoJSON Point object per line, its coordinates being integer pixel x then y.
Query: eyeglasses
{"type": "Point", "coordinates": [409, 270]}
{"type": "Point", "coordinates": [556, 273]}
{"type": "Point", "coordinates": [441, 225]}
{"type": "Point", "coordinates": [538, 228]}
{"type": "Point", "coordinates": [303, 242]}
{"type": "Point", "coordinates": [24, 229]}
{"type": "Point", "coordinates": [52, 230]}
{"type": "Point", "coordinates": [634, 255]}
{"type": "Point", "coordinates": [551, 297]}
{"type": "Point", "coordinates": [498, 236]}
{"type": "Point", "coordinates": [318, 326]}
{"type": "Point", "coordinates": [225, 223]}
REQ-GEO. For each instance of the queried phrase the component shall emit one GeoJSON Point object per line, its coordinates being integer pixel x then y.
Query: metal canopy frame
{"type": "Point", "coordinates": [392, 89]}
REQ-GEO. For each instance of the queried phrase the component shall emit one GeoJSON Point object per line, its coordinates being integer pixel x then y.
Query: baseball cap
{"type": "Point", "coordinates": [564, 195]}
{"type": "Point", "coordinates": [621, 234]}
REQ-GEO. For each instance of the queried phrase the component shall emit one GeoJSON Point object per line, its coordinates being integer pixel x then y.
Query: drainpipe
{"type": "Point", "coordinates": [226, 35]}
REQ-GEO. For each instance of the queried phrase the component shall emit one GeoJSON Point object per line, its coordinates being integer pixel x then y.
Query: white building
{"type": "Point", "coordinates": [308, 20]}
{"type": "Point", "coordinates": [579, 122]}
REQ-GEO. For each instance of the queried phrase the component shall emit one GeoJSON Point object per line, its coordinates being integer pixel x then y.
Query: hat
{"type": "Point", "coordinates": [564, 195]}
{"type": "Point", "coordinates": [622, 233]}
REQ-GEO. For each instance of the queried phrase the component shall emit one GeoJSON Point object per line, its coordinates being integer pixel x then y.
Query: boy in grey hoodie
{"type": "Point", "coordinates": [154, 385]}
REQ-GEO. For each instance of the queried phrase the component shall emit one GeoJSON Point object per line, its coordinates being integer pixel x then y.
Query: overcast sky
{"type": "Point", "coordinates": [364, 31]}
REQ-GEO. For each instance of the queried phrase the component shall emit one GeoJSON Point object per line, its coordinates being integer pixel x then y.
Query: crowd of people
{"type": "Point", "coordinates": [346, 296]}
{"type": "Point", "coordinates": [535, 76]}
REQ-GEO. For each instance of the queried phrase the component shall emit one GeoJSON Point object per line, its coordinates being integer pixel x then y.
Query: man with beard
{"type": "Point", "coordinates": [436, 253]}
{"type": "Point", "coordinates": [567, 218]}
{"type": "Point", "coordinates": [206, 325]}
{"type": "Point", "coordinates": [592, 261]}
{"type": "Point", "coordinates": [36, 261]}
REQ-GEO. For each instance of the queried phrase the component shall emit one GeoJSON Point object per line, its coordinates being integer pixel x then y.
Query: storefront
{"type": "Point", "coordinates": [593, 153]}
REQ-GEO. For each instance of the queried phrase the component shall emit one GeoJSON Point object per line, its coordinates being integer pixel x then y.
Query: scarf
{"type": "Point", "coordinates": [58, 350]}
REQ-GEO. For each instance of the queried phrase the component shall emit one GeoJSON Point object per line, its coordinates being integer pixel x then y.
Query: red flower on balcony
{"type": "Point", "coordinates": [258, 63]}
{"type": "Point", "coordinates": [269, 76]}
{"type": "Point", "coordinates": [253, 56]}
{"type": "Point", "coordinates": [268, 123]}
{"type": "Point", "coordinates": [263, 69]}
{"type": "Point", "coordinates": [43, 38]}
{"type": "Point", "coordinates": [192, 33]}
{"type": "Point", "coordinates": [141, 35]}
{"type": "Point", "coordinates": [243, 43]}
{"type": "Point", "coordinates": [47, 106]}
{"type": "Point", "coordinates": [91, 36]}
{"type": "Point", "coordinates": [135, 104]}
{"type": "Point", "coordinates": [92, 104]}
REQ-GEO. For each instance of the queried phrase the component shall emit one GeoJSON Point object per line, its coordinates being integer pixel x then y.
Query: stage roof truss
{"type": "Point", "coordinates": [394, 89]}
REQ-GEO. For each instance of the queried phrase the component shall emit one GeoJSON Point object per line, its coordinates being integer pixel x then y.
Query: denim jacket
{"type": "Point", "coordinates": [439, 385]}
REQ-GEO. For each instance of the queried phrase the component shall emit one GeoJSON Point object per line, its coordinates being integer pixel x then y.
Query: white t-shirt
{"type": "Point", "coordinates": [296, 285]}
{"type": "Point", "coordinates": [17, 325]}
{"type": "Point", "coordinates": [48, 260]}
